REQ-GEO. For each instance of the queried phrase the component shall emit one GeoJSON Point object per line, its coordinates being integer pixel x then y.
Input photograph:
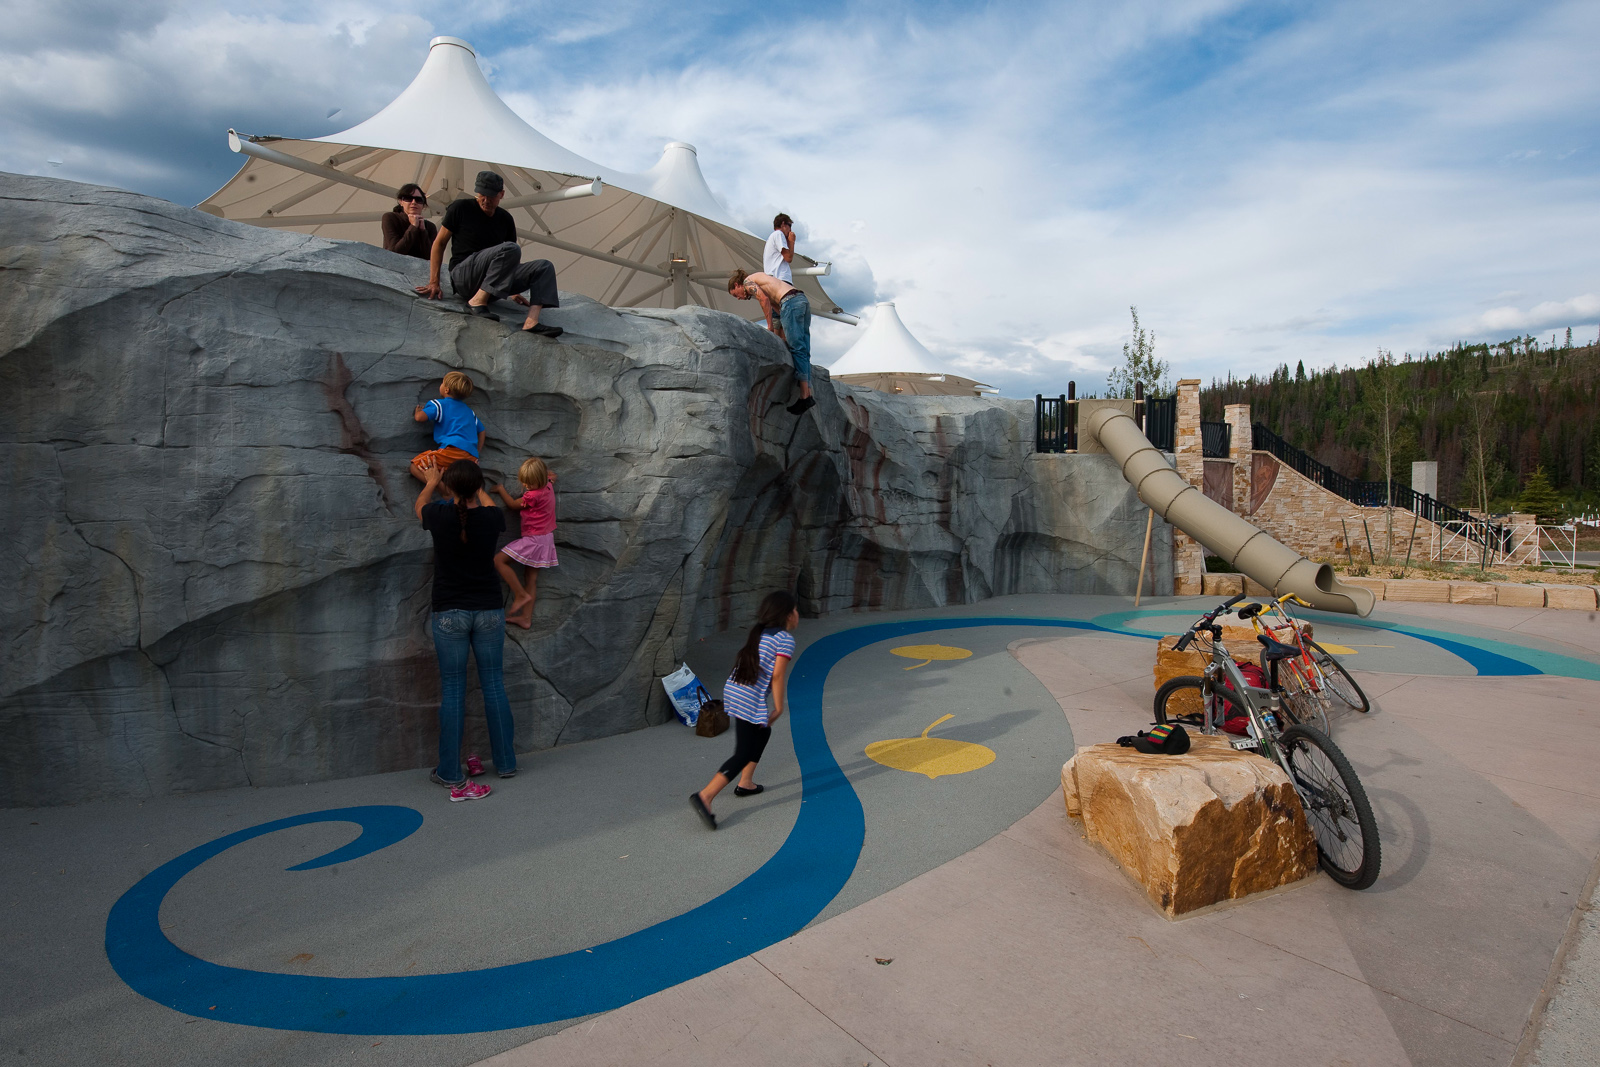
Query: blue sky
{"type": "Point", "coordinates": [1268, 182]}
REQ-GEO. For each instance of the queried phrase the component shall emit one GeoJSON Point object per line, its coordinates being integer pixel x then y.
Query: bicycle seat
{"type": "Point", "coordinates": [1273, 651]}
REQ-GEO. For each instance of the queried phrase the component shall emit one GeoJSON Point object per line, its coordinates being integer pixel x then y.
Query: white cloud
{"type": "Point", "coordinates": [1550, 314]}
{"type": "Point", "coordinates": [1353, 176]}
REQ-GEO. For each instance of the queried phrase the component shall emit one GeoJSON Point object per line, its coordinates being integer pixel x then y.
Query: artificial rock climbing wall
{"type": "Point", "coordinates": [218, 577]}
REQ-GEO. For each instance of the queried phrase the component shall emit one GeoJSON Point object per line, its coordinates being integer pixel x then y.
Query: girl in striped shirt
{"type": "Point", "coordinates": [761, 668]}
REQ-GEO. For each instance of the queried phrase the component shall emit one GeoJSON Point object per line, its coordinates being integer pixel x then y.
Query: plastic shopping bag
{"type": "Point", "coordinates": [683, 689]}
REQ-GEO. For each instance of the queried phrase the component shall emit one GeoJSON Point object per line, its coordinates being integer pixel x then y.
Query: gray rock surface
{"type": "Point", "coordinates": [218, 576]}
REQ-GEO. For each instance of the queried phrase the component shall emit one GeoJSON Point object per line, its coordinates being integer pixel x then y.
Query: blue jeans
{"type": "Point", "coordinates": [795, 314]}
{"type": "Point", "coordinates": [484, 633]}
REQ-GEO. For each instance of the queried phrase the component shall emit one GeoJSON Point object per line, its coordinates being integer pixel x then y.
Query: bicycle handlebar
{"type": "Point", "coordinates": [1205, 620]}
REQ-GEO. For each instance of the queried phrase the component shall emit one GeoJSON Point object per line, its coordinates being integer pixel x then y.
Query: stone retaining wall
{"type": "Point", "coordinates": [1424, 591]}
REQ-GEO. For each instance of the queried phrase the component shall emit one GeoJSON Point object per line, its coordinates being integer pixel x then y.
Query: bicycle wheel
{"type": "Point", "coordinates": [1336, 806]}
{"type": "Point", "coordinates": [1302, 703]}
{"type": "Point", "coordinates": [1339, 682]}
{"type": "Point", "coordinates": [1192, 715]}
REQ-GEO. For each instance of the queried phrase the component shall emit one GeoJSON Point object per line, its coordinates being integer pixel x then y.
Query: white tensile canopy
{"type": "Point", "coordinates": [657, 239]}
{"type": "Point", "coordinates": [890, 359]}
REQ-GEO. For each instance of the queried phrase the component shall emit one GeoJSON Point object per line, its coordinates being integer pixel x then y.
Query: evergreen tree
{"type": "Point", "coordinates": [1139, 364]}
{"type": "Point", "coordinates": [1300, 371]}
{"type": "Point", "coordinates": [1539, 498]}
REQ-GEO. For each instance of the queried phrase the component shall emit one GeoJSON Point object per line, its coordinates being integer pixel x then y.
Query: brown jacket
{"type": "Point", "coordinates": [398, 236]}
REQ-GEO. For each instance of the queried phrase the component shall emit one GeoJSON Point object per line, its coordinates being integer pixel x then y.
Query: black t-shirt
{"type": "Point", "coordinates": [473, 231]}
{"type": "Point", "coordinates": [463, 574]}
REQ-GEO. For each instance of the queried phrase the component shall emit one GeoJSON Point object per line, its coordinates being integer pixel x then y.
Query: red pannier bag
{"type": "Point", "coordinates": [1235, 721]}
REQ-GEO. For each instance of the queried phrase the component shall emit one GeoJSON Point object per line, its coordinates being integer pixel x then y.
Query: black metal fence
{"type": "Point", "coordinates": [1050, 430]}
{"type": "Point", "coordinates": [1373, 494]}
{"type": "Point", "coordinates": [1215, 439]}
{"type": "Point", "coordinates": [1055, 420]}
{"type": "Point", "coordinates": [1161, 422]}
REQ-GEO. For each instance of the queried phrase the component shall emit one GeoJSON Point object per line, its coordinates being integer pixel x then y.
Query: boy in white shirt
{"type": "Point", "coordinates": [779, 252]}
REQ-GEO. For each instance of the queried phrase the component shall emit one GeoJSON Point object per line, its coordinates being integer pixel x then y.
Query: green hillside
{"type": "Point", "coordinates": [1504, 410]}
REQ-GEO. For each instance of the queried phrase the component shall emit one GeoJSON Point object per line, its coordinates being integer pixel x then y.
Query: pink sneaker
{"type": "Point", "coordinates": [469, 791]}
{"type": "Point", "coordinates": [474, 766]}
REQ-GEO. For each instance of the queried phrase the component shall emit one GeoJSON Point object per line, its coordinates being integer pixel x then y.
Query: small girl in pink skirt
{"type": "Point", "coordinates": [536, 547]}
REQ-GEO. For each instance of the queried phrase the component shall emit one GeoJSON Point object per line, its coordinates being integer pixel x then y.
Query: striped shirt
{"type": "Point", "coordinates": [749, 702]}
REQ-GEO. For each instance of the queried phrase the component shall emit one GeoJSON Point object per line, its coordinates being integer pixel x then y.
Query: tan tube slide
{"type": "Point", "coordinates": [1248, 549]}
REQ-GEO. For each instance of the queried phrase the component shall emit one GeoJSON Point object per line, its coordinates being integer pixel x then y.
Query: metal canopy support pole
{"type": "Point", "coordinates": [568, 246]}
{"type": "Point", "coordinates": [678, 255]}
{"type": "Point", "coordinates": [571, 192]}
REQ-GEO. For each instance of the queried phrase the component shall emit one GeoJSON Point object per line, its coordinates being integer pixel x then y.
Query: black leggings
{"type": "Point", "coordinates": [749, 741]}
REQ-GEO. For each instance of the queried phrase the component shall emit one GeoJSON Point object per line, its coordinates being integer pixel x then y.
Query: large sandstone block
{"type": "Point", "coordinates": [1210, 825]}
{"type": "Point", "coordinates": [1472, 593]}
{"type": "Point", "coordinates": [1572, 597]}
{"type": "Point", "coordinates": [1240, 642]}
{"type": "Point", "coordinates": [1224, 585]}
{"type": "Point", "coordinates": [1516, 595]}
{"type": "Point", "coordinates": [1417, 591]}
{"type": "Point", "coordinates": [1374, 584]}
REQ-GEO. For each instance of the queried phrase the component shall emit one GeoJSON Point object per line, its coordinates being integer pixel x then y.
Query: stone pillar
{"type": "Point", "coordinates": [1425, 477]}
{"type": "Point", "coordinates": [1239, 450]}
{"type": "Point", "coordinates": [1188, 557]}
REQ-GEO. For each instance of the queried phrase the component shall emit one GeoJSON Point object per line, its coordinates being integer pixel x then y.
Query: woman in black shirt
{"type": "Point", "coordinates": [468, 614]}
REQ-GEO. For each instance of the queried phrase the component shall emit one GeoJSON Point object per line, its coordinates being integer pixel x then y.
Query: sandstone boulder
{"type": "Point", "coordinates": [1210, 825]}
{"type": "Point", "coordinates": [1472, 593]}
{"type": "Point", "coordinates": [1416, 590]}
{"type": "Point", "coordinates": [1240, 642]}
{"type": "Point", "coordinates": [1571, 597]}
{"type": "Point", "coordinates": [1517, 595]}
{"type": "Point", "coordinates": [1223, 585]}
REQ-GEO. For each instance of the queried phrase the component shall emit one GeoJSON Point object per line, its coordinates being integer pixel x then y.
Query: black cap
{"type": "Point", "coordinates": [1166, 739]}
{"type": "Point", "coordinates": [488, 183]}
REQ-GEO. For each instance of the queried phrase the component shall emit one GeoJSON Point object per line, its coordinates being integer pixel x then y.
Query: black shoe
{"type": "Point", "coordinates": [701, 810]}
{"type": "Point", "coordinates": [741, 791]}
{"type": "Point", "coordinates": [483, 313]}
{"type": "Point", "coordinates": [546, 331]}
{"type": "Point", "coordinates": [803, 405]}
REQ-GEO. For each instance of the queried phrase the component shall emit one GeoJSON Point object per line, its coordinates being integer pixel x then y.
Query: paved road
{"type": "Point", "coordinates": [1587, 558]}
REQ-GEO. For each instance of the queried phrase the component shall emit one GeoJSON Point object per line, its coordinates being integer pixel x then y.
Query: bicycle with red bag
{"type": "Point", "coordinates": [1333, 797]}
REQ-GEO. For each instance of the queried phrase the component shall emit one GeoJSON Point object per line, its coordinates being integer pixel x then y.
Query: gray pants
{"type": "Point", "coordinates": [500, 272]}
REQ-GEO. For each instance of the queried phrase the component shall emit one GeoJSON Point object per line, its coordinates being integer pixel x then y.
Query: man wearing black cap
{"type": "Point", "coordinates": [486, 261]}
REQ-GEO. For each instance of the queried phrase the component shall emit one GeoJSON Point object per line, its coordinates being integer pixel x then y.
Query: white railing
{"type": "Point", "coordinates": [1521, 545]}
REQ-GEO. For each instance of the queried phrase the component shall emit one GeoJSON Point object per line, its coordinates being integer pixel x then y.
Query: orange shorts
{"type": "Point", "coordinates": [440, 457]}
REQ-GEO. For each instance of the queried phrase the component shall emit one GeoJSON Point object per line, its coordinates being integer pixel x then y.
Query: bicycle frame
{"type": "Point", "coordinates": [1262, 706]}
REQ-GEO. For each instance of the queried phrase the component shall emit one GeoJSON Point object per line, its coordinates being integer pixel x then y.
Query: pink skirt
{"type": "Point", "coordinates": [536, 551]}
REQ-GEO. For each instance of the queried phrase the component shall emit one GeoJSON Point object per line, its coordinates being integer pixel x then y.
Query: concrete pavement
{"type": "Point", "coordinates": [1011, 940]}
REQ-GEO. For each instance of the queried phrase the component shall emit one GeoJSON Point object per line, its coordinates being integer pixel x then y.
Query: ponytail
{"type": "Point", "coordinates": [464, 480]}
{"type": "Point", "coordinates": [772, 615]}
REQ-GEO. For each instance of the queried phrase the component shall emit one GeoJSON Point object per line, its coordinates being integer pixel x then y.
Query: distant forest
{"type": "Point", "coordinates": [1515, 405]}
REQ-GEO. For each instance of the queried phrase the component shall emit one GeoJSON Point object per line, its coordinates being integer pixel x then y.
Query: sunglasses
{"type": "Point", "coordinates": [415, 198]}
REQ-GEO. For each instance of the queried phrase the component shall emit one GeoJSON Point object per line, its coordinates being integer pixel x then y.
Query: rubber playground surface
{"type": "Point", "coordinates": [907, 890]}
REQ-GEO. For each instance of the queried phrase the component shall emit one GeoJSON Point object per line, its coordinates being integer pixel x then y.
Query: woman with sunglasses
{"type": "Point", "coordinates": [404, 229]}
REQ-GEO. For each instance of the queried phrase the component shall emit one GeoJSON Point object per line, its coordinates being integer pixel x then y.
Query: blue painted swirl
{"type": "Point", "coordinates": [775, 902]}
